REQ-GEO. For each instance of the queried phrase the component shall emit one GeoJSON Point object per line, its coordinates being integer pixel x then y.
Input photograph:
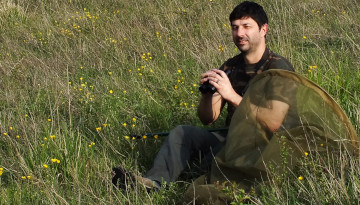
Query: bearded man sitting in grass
{"type": "Point", "coordinates": [249, 24]}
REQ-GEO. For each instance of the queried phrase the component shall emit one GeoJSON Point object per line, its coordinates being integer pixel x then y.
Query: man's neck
{"type": "Point", "coordinates": [254, 57]}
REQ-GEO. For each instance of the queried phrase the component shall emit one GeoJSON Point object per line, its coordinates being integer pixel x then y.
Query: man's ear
{"type": "Point", "coordinates": [264, 29]}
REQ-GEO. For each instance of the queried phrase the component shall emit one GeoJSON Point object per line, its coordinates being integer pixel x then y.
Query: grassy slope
{"type": "Point", "coordinates": [79, 70]}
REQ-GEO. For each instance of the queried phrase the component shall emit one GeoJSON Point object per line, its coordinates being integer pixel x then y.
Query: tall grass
{"type": "Point", "coordinates": [91, 73]}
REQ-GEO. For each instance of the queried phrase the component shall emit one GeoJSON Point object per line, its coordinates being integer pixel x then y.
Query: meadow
{"type": "Point", "coordinates": [78, 78]}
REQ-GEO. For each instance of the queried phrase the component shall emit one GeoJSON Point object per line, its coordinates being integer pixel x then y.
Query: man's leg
{"type": "Point", "coordinates": [178, 148]}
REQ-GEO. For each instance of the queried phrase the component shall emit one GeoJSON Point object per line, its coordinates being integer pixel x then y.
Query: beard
{"type": "Point", "coordinates": [243, 44]}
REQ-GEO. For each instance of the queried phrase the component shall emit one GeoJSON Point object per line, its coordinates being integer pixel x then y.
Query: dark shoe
{"type": "Point", "coordinates": [123, 179]}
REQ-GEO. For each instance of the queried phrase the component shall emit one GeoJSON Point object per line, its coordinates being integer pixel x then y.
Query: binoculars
{"type": "Point", "coordinates": [208, 88]}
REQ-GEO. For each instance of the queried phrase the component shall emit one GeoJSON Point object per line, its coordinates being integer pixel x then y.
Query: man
{"type": "Point", "coordinates": [249, 28]}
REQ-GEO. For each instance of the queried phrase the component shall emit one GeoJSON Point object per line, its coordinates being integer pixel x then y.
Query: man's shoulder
{"type": "Point", "coordinates": [277, 61]}
{"type": "Point", "coordinates": [234, 60]}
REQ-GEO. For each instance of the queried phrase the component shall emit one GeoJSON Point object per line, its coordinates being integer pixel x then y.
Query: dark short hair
{"type": "Point", "coordinates": [249, 9]}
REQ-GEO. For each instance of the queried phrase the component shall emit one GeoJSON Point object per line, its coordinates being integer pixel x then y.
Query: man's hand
{"type": "Point", "coordinates": [221, 82]}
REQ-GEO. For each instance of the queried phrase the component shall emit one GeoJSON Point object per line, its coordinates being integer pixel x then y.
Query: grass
{"type": "Point", "coordinates": [79, 70]}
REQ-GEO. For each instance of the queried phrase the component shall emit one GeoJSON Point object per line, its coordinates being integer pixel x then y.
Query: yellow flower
{"type": "Point", "coordinates": [45, 138]}
{"type": "Point", "coordinates": [127, 137]}
{"type": "Point", "coordinates": [45, 166]}
{"type": "Point", "coordinates": [300, 178]}
{"type": "Point", "coordinates": [29, 177]}
{"type": "Point", "coordinates": [134, 119]}
{"type": "Point", "coordinates": [53, 160]}
{"type": "Point", "coordinates": [23, 177]}
{"type": "Point", "coordinates": [89, 145]}
{"type": "Point", "coordinates": [144, 136]}
{"type": "Point", "coordinates": [179, 71]}
{"type": "Point", "coordinates": [175, 86]}
{"type": "Point", "coordinates": [124, 91]}
{"type": "Point", "coordinates": [111, 91]}
{"type": "Point", "coordinates": [124, 124]}
{"type": "Point", "coordinates": [98, 129]}
{"type": "Point", "coordinates": [306, 154]}
{"type": "Point", "coordinates": [304, 37]}
{"type": "Point", "coordinates": [133, 138]}
{"type": "Point", "coordinates": [156, 136]}
{"type": "Point", "coordinates": [110, 73]}
{"type": "Point", "coordinates": [58, 161]}
{"type": "Point", "coordinates": [133, 125]}
{"type": "Point", "coordinates": [11, 128]}
{"type": "Point", "coordinates": [92, 143]}
{"type": "Point", "coordinates": [321, 145]}
{"type": "Point", "coordinates": [52, 136]}
{"type": "Point", "coordinates": [5, 134]}
{"type": "Point", "coordinates": [69, 83]}
{"type": "Point", "coordinates": [26, 115]}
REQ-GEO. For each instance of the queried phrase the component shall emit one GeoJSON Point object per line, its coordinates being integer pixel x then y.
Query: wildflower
{"type": "Point", "coordinates": [144, 137]}
{"type": "Point", "coordinates": [124, 124]}
{"type": "Point", "coordinates": [89, 145]}
{"type": "Point", "coordinates": [300, 178]}
{"type": "Point", "coordinates": [83, 85]}
{"type": "Point", "coordinates": [1, 171]}
{"type": "Point", "coordinates": [306, 154]}
{"type": "Point", "coordinates": [133, 138]}
{"type": "Point", "coordinates": [52, 136]}
{"type": "Point", "coordinates": [5, 134]}
{"type": "Point", "coordinates": [92, 143]}
{"type": "Point", "coordinates": [175, 86]}
{"type": "Point", "coordinates": [111, 91]}
{"type": "Point", "coordinates": [11, 128]}
{"type": "Point", "coordinates": [110, 73]}
{"type": "Point", "coordinates": [105, 125]}
{"type": "Point", "coordinates": [53, 160]}
{"type": "Point", "coordinates": [81, 67]}
{"type": "Point", "coordinates": [127, 137]}
{"type": "Point", "coordinates": [321, 145]}
{"type": "Point", "coordinates": [134, 119]}
{"type": "Point", "coordinates": [194, 84]}
{"type": "Point", "coordinates": [45, 138]}
{"type": "Point", "coordinates": [179, 71]}
{"type": "Point", "coordinates": [133, 125]}
{"type": "Point", "coordinates": [28, 177]}
{"type": "Point", "coordinates": [98, 129]}
{"type": "Point", "coordinates": [45, 166]}
{"type": "Point", "coordinates": [23, 177]}
{"type": "Point", "coordinates": [304, 37]}
{"type": "Point", "coordinates": [26, 115]}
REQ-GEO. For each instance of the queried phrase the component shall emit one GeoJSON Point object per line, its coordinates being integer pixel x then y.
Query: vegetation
{"type": "Point", "coordinates": [77, 78]}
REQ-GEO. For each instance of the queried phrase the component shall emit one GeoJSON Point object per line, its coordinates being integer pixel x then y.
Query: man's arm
{"type": "Point", "coordinates": [210, 107]}
{"type": "Point", "coordinates": [211, 104]}
{"type": "Point", "coordinates": [271, 117]}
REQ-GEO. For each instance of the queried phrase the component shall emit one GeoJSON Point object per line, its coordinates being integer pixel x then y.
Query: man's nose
{"type": "Point", "coordinates": [240, 32]}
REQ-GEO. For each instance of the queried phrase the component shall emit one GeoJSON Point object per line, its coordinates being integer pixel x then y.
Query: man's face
{"type": "Point", "coordinates": [247, 35]}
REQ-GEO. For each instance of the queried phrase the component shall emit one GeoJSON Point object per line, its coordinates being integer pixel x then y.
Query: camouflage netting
{"type": "Point", "coordinates": [279, 106]}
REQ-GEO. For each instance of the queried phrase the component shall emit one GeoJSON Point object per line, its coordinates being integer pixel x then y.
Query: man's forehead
{"type": "Point", "coordinates": [243, 20]}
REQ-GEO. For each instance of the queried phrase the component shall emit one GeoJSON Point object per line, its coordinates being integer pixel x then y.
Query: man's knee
{"type": "Point", "coordinates": [180, 134]}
